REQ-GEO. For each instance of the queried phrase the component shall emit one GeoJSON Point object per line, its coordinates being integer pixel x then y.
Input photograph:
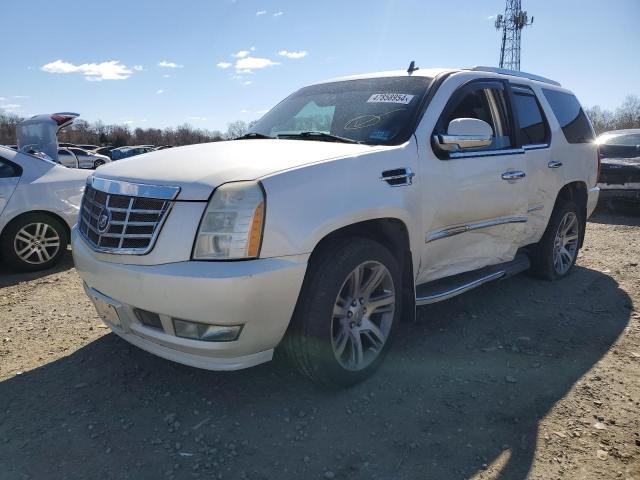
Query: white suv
{"type": "Point", "coordinates": [348, 204]}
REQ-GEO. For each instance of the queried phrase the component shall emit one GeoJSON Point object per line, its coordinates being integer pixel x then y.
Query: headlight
{"type": "Point", "coordinates": [231, 227]}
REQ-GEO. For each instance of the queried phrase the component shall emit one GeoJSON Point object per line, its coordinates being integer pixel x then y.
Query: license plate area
{"type": "Point", "coordinates": [106, 308]}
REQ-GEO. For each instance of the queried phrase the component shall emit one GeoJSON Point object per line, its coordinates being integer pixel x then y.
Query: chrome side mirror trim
{"type": "Point", "coordinates": [454, 143]}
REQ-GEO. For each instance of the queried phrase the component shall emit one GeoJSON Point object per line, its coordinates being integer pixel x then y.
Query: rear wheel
{"type": "Point", "coordinates": [345, 318]}
{"type": "Point", "coordinates": [556, 253]}
{"type": "Point", "coordinates": [34, 241]}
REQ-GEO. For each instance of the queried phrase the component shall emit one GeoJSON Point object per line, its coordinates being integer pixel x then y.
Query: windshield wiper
{"type": "Point", "coordinates": [312, 135]}
{"type": "Point", "coordinates": [251, 135]}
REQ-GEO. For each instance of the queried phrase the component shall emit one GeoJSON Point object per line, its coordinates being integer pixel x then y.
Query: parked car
{"type": "Point", "coordinates": [345, 206]}
{"type": "Point", "coordinates": [88, 147]}
{"type": "Point", "coordinates": [39, 198]}
{"type": "Point", "coordinates": [620, 168]}
{"type": "Point", "coordinates": [104, 151]}
{"type": "Point", "coordinates": [163, 147]}
{"type": "Point", "coordinates": [126, 152]}
{"type": "Point", "coordinates": [67, 158]}
{"type": "Point", "coordinates": [89, 159]}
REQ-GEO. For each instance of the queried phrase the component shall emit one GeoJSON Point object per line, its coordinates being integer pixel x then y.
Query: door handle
{"type": "Point", "coordinates": [554, 164]}
{"type": "Point", "coordinates": [513, 175]}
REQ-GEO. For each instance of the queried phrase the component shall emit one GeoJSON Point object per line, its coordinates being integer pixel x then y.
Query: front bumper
{"type": "Point", "coordinates": [258, 294]}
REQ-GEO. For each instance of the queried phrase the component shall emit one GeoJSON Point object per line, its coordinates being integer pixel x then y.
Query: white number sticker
{"type": "Point", "coordinates": [402, 98]}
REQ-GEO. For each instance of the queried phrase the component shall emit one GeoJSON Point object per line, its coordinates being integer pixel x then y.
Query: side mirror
{"type": "Point", "coordinates": [465, 133]}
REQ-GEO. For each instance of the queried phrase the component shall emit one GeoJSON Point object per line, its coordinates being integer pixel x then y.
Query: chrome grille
{"type": "Point", "coordinates": [121, 222]}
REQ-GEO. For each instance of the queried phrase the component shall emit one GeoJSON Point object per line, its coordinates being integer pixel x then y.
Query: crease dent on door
{"type": "Point", "coordinates": [458, 229]}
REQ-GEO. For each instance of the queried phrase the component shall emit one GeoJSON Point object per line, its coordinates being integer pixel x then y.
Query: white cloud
{"type": "Point", "coordinates": [278, 14]}
{"type": "Point", "coordinates": [241, 54]}
{"type": "Point", "coordinates": [248, 82]}
{"type": "Point", "coordinates": [261, 12]}
{"type": "Point", "coordinates": [96, 72]}
{"type": "Point", "coordinates": [128, 122]}
{"type": "Point", "coordinates": [491, 17]}
{"type": "Point", "coordinates": [138, 68]}
{"type": "Point", "coordinates": [165, 64]}
{"type": "Point", "coordinates": [10, 107]}
{"type": "Point", "coordinates": [2, 99]}
{"type": "Point", "coordinates": [158, 92]}
{"type": "Point", "coordinates": [224, 65]}
{"type": "Point", "coordinates": [293, 55]}
{"type": "Point", "coordinates": [248, 64]}
{"type": "Point", "coordinates": [197, 119]}
{"type": "Point", "coordinates": [166, 75]}
{"type": "Point", "coordinates": [20, 96]}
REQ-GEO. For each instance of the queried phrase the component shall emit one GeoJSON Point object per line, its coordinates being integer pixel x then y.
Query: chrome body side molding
{"type": "Point", "coordinates": [451, 231]}
{"type": "Point", "coordinates": [535, 208]}
{"type": "Point", "coordinates": [459, 289]}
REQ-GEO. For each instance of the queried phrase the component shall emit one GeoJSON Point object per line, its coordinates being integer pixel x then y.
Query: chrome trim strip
{"type": "Point", "coordinates": [407, 175]}
{"type": "Point", "coordinates": [130, 189]}
{"type": "Point", "coordinates": [514, 73]}
{"type": "Point", "coordinates": [441, 296]}
{"type": "Point", "coordinates": [535, 208]}
{"type": "Point", "coordinates": [451, 231]}
{"type": "Point", "coordinates": [490, 153]}
{"type": "Point", "coordinates": [537, 146]}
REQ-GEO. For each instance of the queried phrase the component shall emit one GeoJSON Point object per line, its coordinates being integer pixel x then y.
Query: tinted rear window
{"type": "Point", "coordinates": [571, 117]}
{"type": "Point", "coordinates": [533, 126]}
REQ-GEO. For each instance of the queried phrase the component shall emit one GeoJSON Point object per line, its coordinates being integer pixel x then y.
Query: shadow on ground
{"type": "Point", "coordinates": [9, 277]}
{"type": "Point", "coordinates": [617, 214]}
{"type": "Point", "coordinates": [465, 385]}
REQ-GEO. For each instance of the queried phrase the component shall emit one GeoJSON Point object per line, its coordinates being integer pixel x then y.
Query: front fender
{"type": "Point", "coordinates": [306, 204]}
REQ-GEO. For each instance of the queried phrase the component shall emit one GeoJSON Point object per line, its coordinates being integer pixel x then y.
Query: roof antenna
{"type": "Point", "coordinates": [412, 67]}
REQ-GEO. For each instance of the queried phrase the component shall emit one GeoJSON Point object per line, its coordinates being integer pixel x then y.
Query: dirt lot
{"type": "Point", "coordinates": [519, 379]}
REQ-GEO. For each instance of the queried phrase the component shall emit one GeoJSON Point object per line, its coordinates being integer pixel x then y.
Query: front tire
{"type": "Point", "coordinates": [98, 163]}
{"type": "Point", "coordinates": [555, 255]}
{"type": "Point", "coordinates": [347, 313]}
{"type": "Point", "coordinates": [33, 242]}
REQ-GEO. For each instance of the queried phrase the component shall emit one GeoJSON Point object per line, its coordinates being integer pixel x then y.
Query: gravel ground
{"type": "Point", "coordinates": [519, 379]}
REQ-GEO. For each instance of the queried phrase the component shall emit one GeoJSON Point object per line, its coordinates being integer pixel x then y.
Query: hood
{"type": "Point", "coordinates": [198, 169]}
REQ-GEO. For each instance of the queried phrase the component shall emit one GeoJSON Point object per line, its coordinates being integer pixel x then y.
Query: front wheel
{"type": "Point", "coordinates": [345, 318]}
{"type": "Point", "coordinates": [34, 241]}
{"type": "Point", "coordinates": [556, 253]}
{"type": "Point", "coordinates": [98, 163]}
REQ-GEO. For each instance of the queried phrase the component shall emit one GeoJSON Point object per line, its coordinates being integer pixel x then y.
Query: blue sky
{"type": "Point", "coordinates": [209, 62]}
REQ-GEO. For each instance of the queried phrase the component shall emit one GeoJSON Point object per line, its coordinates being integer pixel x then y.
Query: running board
{"type": "Point", "coordinates": [446, 288]}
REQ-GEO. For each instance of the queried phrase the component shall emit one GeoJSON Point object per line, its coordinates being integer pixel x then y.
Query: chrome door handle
{"type": "Point", "coordinates": [513, 175]}
{"type": "Point", "coordinates": [554, 164]}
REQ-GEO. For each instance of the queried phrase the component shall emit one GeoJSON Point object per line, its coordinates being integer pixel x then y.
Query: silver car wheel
{"type": "Point", "coordinates": [565, 244]}
{"type": "Point", "coordinates": [36, 243]}
{"type": "Point", "coordinates": [363, 316]}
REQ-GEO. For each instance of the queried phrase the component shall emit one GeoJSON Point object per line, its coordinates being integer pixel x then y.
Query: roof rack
{"type": "Point", "coordinates": [515, 73]}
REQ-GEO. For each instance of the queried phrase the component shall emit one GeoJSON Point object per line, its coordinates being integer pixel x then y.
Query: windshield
{"type": "Point", "coordinates": [376, 111]}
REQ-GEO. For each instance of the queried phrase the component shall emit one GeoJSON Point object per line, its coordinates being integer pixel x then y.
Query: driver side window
{"type": "Point", "coordinates": [488, 105]}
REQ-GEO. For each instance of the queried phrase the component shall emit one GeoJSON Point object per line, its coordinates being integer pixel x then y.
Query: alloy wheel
{"type": "Point", "coordinates": [363, 315]}
{"type": "Point", "coordinates": [565, 245]}
{"type": "Point", "coordinates": [36, 243]}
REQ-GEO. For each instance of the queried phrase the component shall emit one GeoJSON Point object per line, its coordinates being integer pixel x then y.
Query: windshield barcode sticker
{"type": "Point", "coordinates": [402, 98]}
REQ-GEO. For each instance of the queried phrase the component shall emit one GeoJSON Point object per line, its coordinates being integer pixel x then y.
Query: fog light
{"type": "Point", "coordinates": [205, 332]}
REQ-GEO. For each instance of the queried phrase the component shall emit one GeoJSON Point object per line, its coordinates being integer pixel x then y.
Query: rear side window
{"type": "Point", "coordinates": [533, 125]}
{"type": "Point", "coordinates": [575, 124]}
{"type": "Point", "coordinates": [8, 169]}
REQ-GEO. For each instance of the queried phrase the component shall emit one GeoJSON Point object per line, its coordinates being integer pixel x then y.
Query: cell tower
{"type": "Point", "coordinates": [512, 23]}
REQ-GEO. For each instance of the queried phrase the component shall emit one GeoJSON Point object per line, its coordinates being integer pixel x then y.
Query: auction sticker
{"type": "Point", "coordinates": [402, 98]}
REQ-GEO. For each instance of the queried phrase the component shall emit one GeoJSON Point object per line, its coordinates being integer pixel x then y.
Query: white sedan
{"type": "Point", "coordinates": [39, 198]}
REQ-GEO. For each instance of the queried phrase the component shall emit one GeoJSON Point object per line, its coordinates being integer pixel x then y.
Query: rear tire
{"type": "Point", "coordinates": [555, 254]}
{"type": "Point", "coordinates": [347, 312]}
{"type": "Point", "coordinates": [34, 241]}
